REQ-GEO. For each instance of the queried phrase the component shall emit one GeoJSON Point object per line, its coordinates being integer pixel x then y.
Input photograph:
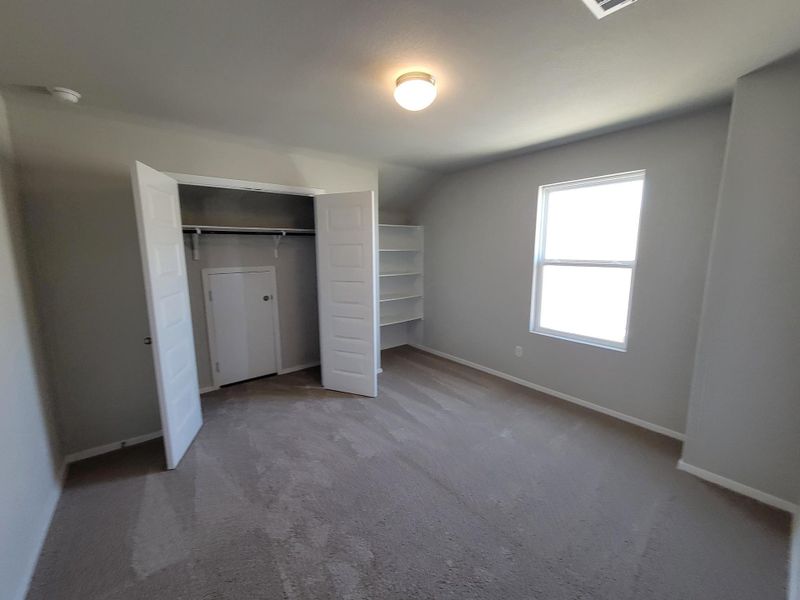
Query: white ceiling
{"type": "Point", "coordinates": [319, 73]}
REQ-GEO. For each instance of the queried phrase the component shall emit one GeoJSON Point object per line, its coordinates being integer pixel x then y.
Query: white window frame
{"type": "Point", "coordinates": [539, 261]}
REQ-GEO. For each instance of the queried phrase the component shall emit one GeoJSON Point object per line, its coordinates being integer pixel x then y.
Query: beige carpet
{"type": "Point", "coordinates": [451, 484]}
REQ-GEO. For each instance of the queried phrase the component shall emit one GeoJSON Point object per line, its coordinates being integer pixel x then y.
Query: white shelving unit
{"type": "Point", "coordinates": [401, 290]}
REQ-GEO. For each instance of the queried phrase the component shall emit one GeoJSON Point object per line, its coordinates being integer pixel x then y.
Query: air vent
{"type": "Point", "coordinates": [601, 8]}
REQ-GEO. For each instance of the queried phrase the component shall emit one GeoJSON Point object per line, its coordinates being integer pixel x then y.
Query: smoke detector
{"type": "Point", "coordinates": [63, 94]}
{"type": "Point", "coordinates": [602, 8]}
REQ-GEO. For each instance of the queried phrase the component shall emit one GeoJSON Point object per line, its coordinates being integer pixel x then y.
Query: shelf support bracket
{"type": "Point", "coordinates": [278, 239]}
{"type": "Point", "coordinates": [196, 244]}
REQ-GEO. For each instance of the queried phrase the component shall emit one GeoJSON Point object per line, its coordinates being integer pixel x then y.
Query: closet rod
{"type": "Point", "coordinates": [198, 229]}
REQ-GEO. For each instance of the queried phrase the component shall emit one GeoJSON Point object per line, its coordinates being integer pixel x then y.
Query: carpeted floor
{"type": "Point", "coordinates": [451, 484]}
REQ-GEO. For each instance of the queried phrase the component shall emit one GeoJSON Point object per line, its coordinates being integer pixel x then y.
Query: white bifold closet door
{"type": "Point", "coordinates": [242, 323]}
{"type": "Point", "coordinates": [158, 215]}
{"type": "Point", "coordinates": [347, 284]}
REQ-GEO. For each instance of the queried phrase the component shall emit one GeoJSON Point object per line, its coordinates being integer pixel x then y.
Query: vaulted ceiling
{"type": "Point", "coordinates": [513, 74]}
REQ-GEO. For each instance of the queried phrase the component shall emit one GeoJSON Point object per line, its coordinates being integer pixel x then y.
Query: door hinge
{"type": "Point", "coordinates": [210, 296]}
{"type": "Point", "coordinates": [217, 366]}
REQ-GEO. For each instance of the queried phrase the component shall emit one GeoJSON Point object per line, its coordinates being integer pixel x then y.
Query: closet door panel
{"type": "Point", "coordinates": [167, 292]}
{"type": "Point", "coordinates": [347, 287]}
{"type": "Point", "coordinates": [244, 325]}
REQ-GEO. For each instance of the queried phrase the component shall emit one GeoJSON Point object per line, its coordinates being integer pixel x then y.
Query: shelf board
{"type": "Point", "coordinates": [394, 297]}
{"type": "Point", "coordinates": [402, 226]}
{"type": "Point", "coordinates": [399, 249]}
{"type": "Point", "coordinates": [264, 230]}
{"type": "Point", "coordinates": [402, 274]}
{"type": "Point", "coordinates": [396, 319]}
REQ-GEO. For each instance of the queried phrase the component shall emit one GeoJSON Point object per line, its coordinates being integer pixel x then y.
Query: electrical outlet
{"type": "Point", "coordinates": [518, 351]}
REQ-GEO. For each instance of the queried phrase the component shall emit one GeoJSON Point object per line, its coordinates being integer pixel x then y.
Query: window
{"type": "Point", "coordinates": [586, 238]}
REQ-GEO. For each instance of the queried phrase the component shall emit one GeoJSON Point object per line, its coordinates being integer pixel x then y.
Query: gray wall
{"type": "Point", "coordinates": [79, 216]}
{"type": "Point", "coordinates": [744, 422]}
{"type": "Point", "coordinates": [401, 190]}
{"type": "Point", "coordinates": [296, 274]}
{"type": "Point", "coordinates": [226, 207]}
{"type": "Point", "coordinates": [479, 236]}
{"type": "Point", "coordinates": [30, 463]}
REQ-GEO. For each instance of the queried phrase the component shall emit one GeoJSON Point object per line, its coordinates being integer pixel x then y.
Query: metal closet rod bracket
{"type": "Point", "coordinates": [277, 240]}
{"type": "Point", "coordinates": [196, 244]}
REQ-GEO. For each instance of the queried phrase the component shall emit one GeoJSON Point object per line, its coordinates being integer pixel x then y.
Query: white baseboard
{"type": "Point", "coordinates": [740, 488]}
{"type": "Point", "coordinates": [540, 388]}
{"type": "Point", "coordinates": [105, 448]}
{"type": "Point", "coordinates": [296, 368]}
{"type": "Point", "coordinates": [211, 388]}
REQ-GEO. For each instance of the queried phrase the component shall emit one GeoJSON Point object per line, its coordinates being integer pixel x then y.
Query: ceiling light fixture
{"type": "Point", "coordinates": [415, 90]}
{"type": "Point", "coordinates": [65, 94]}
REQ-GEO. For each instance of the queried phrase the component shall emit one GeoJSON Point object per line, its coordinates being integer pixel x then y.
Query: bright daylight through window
{"type": "Point", "coordinates": [585, 258]}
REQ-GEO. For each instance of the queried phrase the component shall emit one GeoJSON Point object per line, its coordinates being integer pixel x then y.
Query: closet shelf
{"type": "Point", "coordinates": [248, 230]}
{"type": "Point", "coordinates": [395, 297]}
{"type": "Point", "coordinates": [396, 319]}
{"type": "Point", "coordinates": [403, 274]}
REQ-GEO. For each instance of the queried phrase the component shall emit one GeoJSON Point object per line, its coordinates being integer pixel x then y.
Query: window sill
{"type": "Point", "coordinates": [566, 337]}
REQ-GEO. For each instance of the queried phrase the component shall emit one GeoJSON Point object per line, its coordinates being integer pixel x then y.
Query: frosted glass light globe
{"type": "Point", "coordinates": [415, 91]}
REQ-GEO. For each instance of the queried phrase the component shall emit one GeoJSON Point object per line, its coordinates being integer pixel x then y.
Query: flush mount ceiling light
{"type": "Point", "coordinates": [63, 94]}
{"type": "Point", "coordinates": [415, 90]}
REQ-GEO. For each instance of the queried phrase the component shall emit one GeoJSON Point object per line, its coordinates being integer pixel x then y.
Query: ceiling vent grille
{"type": "Point", "coordinates": [601, 8]}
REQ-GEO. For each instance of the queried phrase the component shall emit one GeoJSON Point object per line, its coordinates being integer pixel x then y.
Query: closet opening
{"type": "Point", "coordinates": [252, 276]}
{"type": "Point", "coordinates": [295, 269]}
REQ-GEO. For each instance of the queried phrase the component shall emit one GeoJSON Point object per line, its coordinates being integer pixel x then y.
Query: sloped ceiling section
{"type": "Point", "coordinates": [319, 74]}
{"type": "Point", "coordinates": [403, 188]}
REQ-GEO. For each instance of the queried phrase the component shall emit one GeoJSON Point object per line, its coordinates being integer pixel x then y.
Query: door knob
{"type": "Point", "coordinates": [148, 340]}
{"type": "Point", "coordinates": [266, 298]}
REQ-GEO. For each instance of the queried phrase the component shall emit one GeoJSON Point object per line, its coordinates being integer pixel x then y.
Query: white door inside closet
{"type": "Point", "coordinates": [347, 291]}
{"type": "Point", "coordinates": [158, 215]}
{"type": "Point", "coordinates": [242, 318]}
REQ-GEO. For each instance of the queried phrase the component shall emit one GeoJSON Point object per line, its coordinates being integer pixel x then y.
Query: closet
{"type": "Point", "coordinates": [243, 246]}
{"type": "Point", "coordinates": [244, 279]}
